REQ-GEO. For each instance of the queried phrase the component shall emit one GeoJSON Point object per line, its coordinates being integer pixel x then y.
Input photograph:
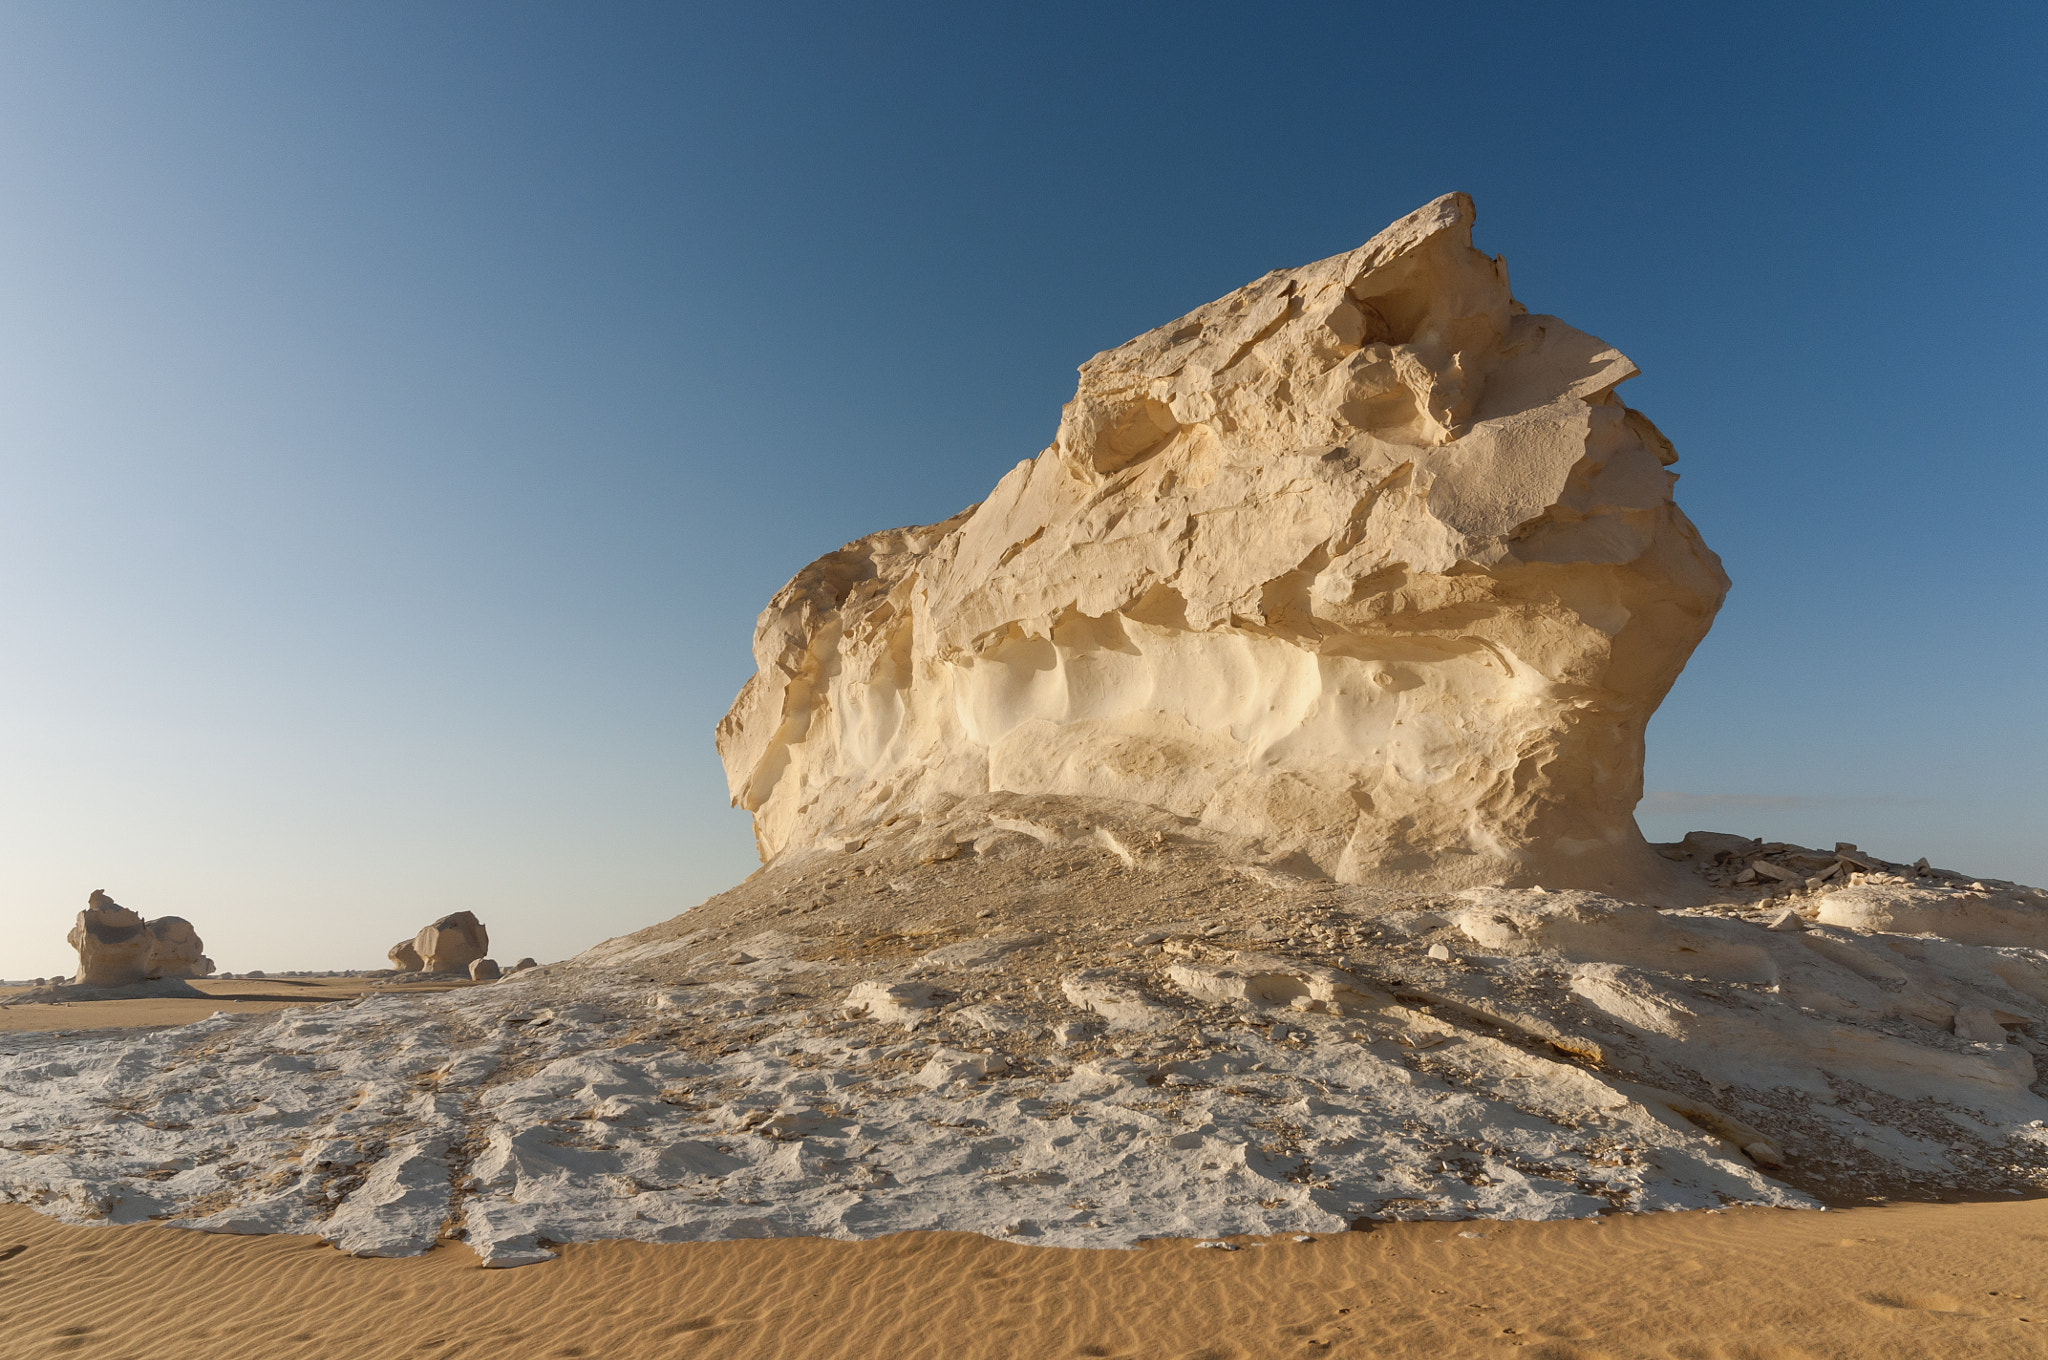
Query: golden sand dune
{"type": "Point", "coordinates": [1936, 1281]}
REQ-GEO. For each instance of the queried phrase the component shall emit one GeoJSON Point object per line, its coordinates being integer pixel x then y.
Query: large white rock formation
{"type": "Point", "coordinates": [1364, 561]}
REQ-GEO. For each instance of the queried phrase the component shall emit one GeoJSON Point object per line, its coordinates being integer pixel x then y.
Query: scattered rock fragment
{"type": "Point", "coordinates": [909, 1004]}
{"type": "Point", "coordinates": [1265, 980]}
{"type": "Point", "coordinates": [483, 970]}
{"type": "Point", "coordinates": [948, 1066]}
{"type": "Point", "coordinates": [1115, 997]}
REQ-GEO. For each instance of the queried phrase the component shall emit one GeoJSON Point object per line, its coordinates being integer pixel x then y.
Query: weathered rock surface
{"type": "Point", "coordinates": [117, 948]}
{"type": "Point", "coordinates": [484, 970]}
{"type": "Point", "coordinates": [1364, 562]}
{"type": "Point", "coordinates": [452, 943]}
{"type": "Point", "coordinates": [404, 957]}
{"type": "Point", "coordinates": [178, 951]}
{"type": "Point", "coordinates": [114, 944]}
{"type": "Point", "coordinates": [1084, 1022]}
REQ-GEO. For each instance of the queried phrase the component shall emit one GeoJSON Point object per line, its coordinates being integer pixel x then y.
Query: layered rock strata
{"type": "Point", "coordinates": [1364, 562]}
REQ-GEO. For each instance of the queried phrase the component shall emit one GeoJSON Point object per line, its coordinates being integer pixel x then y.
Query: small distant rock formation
{"type": "Point", "coordinates": [452, 943]}
{"type": "Point", "coordinates": [179, 952]}
{"type": "Point", "coordinates": [404, 957]}
{"type": "Point", "coordinates": [117, 948]}
{"type": "Point", "coordinates": [114, 944]}
{"type": "Point", "coordinates": [483, 970]}
{"type": "Point", "coordinates": [524, 964]}
{"type": "Point", "coordinates": [1365, 562]}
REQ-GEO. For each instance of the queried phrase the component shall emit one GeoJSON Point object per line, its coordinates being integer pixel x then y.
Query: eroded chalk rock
{"type": "Point", "coordinates": [1260, 980]}
{"type": "Point", "coordinates": [178, 951]}
{"type": "Point", "coordinates": [2016, 917]}
{"type": "Point", "coordinates": [114, 944]}
{"type": "Point", "coordinates": [1589, 927]}
{"type": "Point", "coordinates": [404, 957]}
{"type": "Point", "coordinates": [908, 1004]}
{"type": "Point", "coordinates": [484, 970]}
{"type": "Point", "coordinates": [1364, 561]}
{"type": "Point", "coordinates": [452, 943]}
{"type": "Point", "coordinates": [1117, 998]}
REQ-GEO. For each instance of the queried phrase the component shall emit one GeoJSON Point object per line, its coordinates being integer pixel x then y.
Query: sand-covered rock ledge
{"type": "Point", "coordinates": [1224, 829]}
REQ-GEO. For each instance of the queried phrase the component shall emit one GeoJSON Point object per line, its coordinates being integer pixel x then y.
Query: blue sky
{"type": "Point", "coordinates": [405, 409]}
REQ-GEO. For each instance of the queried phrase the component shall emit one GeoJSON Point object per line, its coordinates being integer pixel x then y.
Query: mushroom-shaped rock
{"type": "Point", "coordinates": [452, 943]}
{"type": "Point", "coordinates": [113, 943]}
{"type": "Point", "coordinates": [1365, 561]}
{"type": "Point", "coordinates": [484, 970]}
{"type": "Point", "coordinates": [404, 957]}
{"type": "Point", "coordinates": [179, 952]}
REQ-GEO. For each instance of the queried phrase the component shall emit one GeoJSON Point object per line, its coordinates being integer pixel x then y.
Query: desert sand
{"type": "Point", "coordinates": [238, 996]}
{"type": "Point", "coordinates": [1943, 1282]}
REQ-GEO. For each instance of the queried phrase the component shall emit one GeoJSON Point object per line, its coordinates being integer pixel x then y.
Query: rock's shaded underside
{"type": "Point", "coordinates": [1363, 561]}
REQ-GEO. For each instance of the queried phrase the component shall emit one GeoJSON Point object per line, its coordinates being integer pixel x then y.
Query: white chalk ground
{"type": "Point", "coordinates": [1046, 1036]}
{"type": "Point", "coordinates": [375, 1124]}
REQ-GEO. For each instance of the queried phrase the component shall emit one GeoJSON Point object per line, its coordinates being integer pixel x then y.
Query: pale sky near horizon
{"type": "Point", "coordinates": [406, 408]}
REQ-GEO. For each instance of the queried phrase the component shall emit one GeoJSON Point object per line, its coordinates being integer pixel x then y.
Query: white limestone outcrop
{"type": "Point", "coordinates": [1363, 561]}
{"type": "Point", "coordinates": [452, 943]}
{"type": "Point", "coordinates": [178, 951]}
{"type": "Point", "coordinates": [114, 944]}
{"type": "Point", "coordinates": [1076, 1022]}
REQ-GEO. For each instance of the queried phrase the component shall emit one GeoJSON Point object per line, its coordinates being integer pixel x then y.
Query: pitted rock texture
{"type": "Point", "coordinates": [1363, 562]}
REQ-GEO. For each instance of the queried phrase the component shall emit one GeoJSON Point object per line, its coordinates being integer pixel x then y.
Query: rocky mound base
{"type": "Point", "coordinates": [1070, 1021]}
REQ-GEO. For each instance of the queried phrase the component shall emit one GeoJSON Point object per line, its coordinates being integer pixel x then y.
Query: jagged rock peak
{"type": "Point", "coordinates": [1364, 562]}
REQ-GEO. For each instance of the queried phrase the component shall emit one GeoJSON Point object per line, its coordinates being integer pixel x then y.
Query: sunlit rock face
{"type": "Point", "coordinates": [1363, 561]}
